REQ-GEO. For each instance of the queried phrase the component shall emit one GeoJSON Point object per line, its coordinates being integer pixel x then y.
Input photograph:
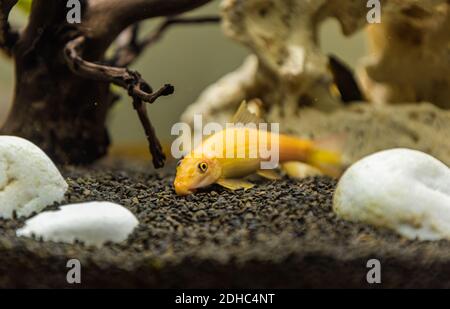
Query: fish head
{"type": "Point", "coordinates": [194, 173]}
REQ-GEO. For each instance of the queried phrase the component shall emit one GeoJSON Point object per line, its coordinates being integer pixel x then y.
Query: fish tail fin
{"type": "Point", "coordinates": [327, 155]}
{"type": "Point", "coordinates": [329, 162]}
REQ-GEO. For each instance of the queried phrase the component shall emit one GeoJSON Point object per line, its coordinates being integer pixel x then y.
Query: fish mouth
{"type": "Point", "coordinates": [183, 190]}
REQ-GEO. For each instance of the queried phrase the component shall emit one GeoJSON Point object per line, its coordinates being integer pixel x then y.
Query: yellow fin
{"type": "Point", "coordinates": [299, 170]}
{"type": "Point", "coordinates": [327, 155]}
{"type": "Point", "coordinates": [329, 162]}
{"type": "Point", "coordinates": [244, 115]}
{"type": "Point", "coordinates": [269, 174]}
{"type": "Point", "coordinates": [321, 156]}
{"type": "Point", "coordinates": [235, 184]}
{"type": "Point", "coordinates": [25, 5]}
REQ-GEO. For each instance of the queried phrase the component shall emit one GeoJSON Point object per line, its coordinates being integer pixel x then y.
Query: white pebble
{"type": "Point", "coordinates": [92, 223]}
{"type": "Point", "coordinates": [29, 181]}
{"type": "Point", "coordinates": [405, 190]}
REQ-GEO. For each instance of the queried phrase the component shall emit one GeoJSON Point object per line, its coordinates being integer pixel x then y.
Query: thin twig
{"type": "Point", "coordinates": [122, 77]}
{"type": "Point", "coordinates": [153, 142]}
{"type": "Point", "coordinates": [129, 50]}
{"type": "Point", "coordinates": [132, 81]}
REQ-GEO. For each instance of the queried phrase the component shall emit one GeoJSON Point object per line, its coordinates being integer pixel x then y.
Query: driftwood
{"type": "Point", "coordinates": [63, 79]}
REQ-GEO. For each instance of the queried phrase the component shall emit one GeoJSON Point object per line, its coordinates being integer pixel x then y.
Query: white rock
{"type": "Point", "coordinates": [401, 189]}
{"type": "Point", "coordinates": [29, 181]}
{"type": "Point", "coordinates": [92, 223]}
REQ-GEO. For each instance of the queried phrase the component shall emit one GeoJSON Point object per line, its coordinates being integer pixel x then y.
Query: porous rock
{"type": "Point", "coordinates": [29, 181]}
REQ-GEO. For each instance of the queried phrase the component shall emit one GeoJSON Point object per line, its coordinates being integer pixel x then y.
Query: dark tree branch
{"type": "Point", "coordinates": [8, 37]}
{"type": "Point", "coordinates": [106, 19]}
{"type": "Point", "coordinates": [130, 48]}
{"type": "Point", "coordinates": [132, 81]}
{"type": "Point", "coordinates": [126, 47]}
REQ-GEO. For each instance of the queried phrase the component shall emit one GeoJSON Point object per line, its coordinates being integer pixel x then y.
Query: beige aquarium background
{"type": "Point", "coordinates": [190, 58]}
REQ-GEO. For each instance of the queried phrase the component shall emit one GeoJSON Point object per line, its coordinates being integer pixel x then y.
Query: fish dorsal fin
{"type": "Point", "coordinates": [244, 114]}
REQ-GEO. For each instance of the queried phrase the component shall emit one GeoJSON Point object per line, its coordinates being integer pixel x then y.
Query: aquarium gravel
{"type": "Point", "coordinates": [279, 234]}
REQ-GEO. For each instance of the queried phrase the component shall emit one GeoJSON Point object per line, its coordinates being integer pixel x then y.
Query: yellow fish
{"type": "Point", "coordinates": [225, 159]}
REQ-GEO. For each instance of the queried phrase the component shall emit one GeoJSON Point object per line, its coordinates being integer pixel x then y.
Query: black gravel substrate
{"type": "Point", "coordinates": [279, 234]}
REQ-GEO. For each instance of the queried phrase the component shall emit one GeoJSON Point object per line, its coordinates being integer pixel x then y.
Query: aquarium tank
{"type": "Point", "coordinates": [243, 144]}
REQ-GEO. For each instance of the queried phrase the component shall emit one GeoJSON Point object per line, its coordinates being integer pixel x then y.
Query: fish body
{"type": "Point", "coordinates": [234, 153]}
{"type": "Point", "coordinates": [242, 156]}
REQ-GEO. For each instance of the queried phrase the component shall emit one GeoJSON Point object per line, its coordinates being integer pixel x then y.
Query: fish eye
{"type": "Point", "coordinates": [203, 167]}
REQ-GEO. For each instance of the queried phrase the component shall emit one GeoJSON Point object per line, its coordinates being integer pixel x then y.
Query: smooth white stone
{"type": "Point", "coordinates": [92, 223]}
{"type": "Point", "coordinates": [29, 181]}
{"type": "Point", "coordinates": [401, 189]}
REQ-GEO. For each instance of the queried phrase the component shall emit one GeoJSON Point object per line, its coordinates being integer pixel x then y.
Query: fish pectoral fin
{"type": "Point", "coordinates": [269, 174]}
{"type": "Point", "coordinates": [235, 184]}
{"type": "Point", "coordinates": [300, 170]}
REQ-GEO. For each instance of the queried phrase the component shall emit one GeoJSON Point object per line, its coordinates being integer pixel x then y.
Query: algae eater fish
{"type": "Point", "coordinates": [211, 162]}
